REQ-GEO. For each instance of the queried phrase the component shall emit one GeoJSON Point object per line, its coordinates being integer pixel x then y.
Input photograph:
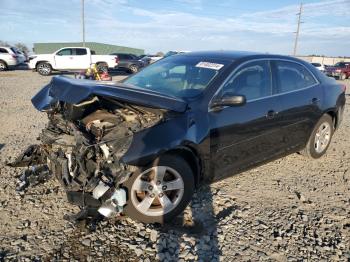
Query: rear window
{"type": "Point", "coordinates": [80, 51]}
{"type": "Point", "coordinates": [3, 51]}
{"type": "Point", "coordinates": [14, 50]}
{"type": "Point", "coordinates": [293, 76]}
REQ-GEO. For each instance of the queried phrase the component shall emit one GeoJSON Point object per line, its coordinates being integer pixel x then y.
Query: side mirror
{"type": "Point", "coordinates": [228, 100]}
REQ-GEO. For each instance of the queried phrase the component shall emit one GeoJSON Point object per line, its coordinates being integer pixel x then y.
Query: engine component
{"type": "Point", "coordinates": [114, 204]}
{"type": "Point", "coordinates": [82, 146]}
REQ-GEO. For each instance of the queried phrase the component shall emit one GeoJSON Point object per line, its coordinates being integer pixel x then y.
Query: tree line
{"type": "Point", "coordinates": [22, 47]}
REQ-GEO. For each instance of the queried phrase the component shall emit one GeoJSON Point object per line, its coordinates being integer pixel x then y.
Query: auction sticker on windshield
{"type": "Point", "coordinates": [209, 65]}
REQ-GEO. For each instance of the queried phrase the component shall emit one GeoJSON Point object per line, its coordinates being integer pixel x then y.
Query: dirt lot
{"type": "Point", "coordinates": [292, 209]}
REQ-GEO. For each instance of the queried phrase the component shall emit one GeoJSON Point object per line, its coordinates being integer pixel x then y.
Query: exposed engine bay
{"type": "Point", "coordinates": [82, 145]}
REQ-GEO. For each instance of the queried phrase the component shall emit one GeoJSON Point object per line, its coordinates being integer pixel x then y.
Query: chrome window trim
{"type": "Point", "coordinates": [272, 95]}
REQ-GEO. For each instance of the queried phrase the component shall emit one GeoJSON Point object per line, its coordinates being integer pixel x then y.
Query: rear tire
{"type": "Point", "coordinates": [102, 67]}
{"type": "Point", "coordinates": [44, 68]}
{"type": "Point", "coordinates": [133, 69]}
{"type": "Point", "coordinates": [3, 66]}
{"type": "Point", "coordinates": [177, 175]}
{"type": "Point", "coordinates": [320, 138]}
{"type": "Point", "coordinates": [342, 76]}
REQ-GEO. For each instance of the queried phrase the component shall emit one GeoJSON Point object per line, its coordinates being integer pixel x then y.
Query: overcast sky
{"type": "Point", "coordinates": [162, 25]}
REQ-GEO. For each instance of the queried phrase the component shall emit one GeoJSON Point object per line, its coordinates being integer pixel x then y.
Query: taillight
{"type": "Point", "coordinates": [14, 56]}
{"type": "Point", "coordinates": [116, 59]}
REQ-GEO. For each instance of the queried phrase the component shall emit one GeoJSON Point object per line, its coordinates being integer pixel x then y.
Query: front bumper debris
{"type": "Point", "coordinates": [82, 146]}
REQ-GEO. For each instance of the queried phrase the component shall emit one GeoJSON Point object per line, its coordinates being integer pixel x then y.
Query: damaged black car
{"type": "Point", "coordinates": [141, 147]}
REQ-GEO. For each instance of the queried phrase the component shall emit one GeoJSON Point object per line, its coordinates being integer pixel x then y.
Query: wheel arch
{"type": "Point", "coordinates": [4, 62]}
{"type": "Point", "coordinates": [102, 62]}
{"type": "Point", "coordinates": [191, 156]}
{"type": "Point", "coordinates": [334, 115]}
{"type": "Point", "coordinates": [42, 61]}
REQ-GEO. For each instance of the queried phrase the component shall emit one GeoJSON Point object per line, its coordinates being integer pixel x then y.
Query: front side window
{"type": "Point", "coordinates": [179, 76]}
{"type": "Point", "coordinates": [66, 51]}
{"type": "Point", "coordinates": [293, 76]}
{"type": "Point", "coordinates": [80, 51]}
{"type": "Point", "coordinates": [253, 81]}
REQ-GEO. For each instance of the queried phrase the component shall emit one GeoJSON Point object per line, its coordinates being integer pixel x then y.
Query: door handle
{"type": "Point", "coordinates": [315, 101]}
{"type": "Point", "coordinates": [271, 114]}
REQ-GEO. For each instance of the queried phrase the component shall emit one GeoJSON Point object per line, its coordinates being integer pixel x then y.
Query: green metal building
{"type": "Point", "coordinates": [99, 48]}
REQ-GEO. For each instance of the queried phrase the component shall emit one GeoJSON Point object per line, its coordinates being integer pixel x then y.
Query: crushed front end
{"type": "Point", "coordinates": [82, 146]}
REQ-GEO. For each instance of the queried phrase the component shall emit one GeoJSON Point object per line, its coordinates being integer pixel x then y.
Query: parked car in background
{"type": "Point", "coordinates": [141, 147]}
{"type": "Point", "coordinates": [170, 53]}
{"type": "Point", "coordinates": [145, 59]}
{"type": "Point", "coordinates": [71, 58]}
{"type": "Point", "coordinates": [340, 70]}
{"type": "Point", "coordinates": [8, 58]}
{"type": "Point", "coordinates": [154, 58]}
{"type": "Point", "coordinates": [22, 56]}
{"type": "Point", "coordinates": [319, 66]}
{"type": "Point", "coordinates": [129, 62]}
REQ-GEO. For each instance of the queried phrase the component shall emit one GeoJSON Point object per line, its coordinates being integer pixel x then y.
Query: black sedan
{"type": "Point", "coordinates": [129, 62]}
{"type": "Point", "coordinates": [141, 147]}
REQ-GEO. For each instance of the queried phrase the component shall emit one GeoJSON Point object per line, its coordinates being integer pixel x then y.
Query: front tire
{"type": "Point", "coordinates": [320, 138]}
{"type": "Point", "coordinates": [3, 66]}
{"type": "Point", "coordinates": [44, 69]}
{"type": "Point", "coordinates": [160, 192]}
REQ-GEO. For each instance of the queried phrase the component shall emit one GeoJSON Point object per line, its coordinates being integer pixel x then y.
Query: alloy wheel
{"type": "Point", "coordinates": [2, 66]}
{"type": "Point", "coordinates": [322, 137]}
{"type": "Point", "coordinates": [157, 191]}
{"type": "Point", "coordinates": [44, 69]}
{"type": "Point", "coordinates": [133, 69]}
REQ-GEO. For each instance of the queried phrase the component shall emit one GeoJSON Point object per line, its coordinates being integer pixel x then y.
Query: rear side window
{"type": "Point", "coordinates": [253, 81]}
{"type": "Point", "coordinates": [67, 51]}
{"type": "Point", "coordinates": [3, 51]}
{"type": "Point", "coordinates": [293, 76]}
{"type": "Point", "coordinates": [80, 51]}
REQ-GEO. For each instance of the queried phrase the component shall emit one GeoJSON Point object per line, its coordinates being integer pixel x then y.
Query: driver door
{"type": "Point", "coordinates": [64, 59]}
{"type": "Point", "coordinates": [243, 136]}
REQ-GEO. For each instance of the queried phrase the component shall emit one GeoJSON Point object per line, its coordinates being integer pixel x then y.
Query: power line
{"type": "Point", "coordinates": [298, 30]}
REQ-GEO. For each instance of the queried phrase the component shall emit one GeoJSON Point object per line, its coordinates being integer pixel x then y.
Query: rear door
{"type": "Point", "coordinates": [81, 58]}
{"type": "Point", "coordinates": [300, 95]}
{"type": "Point", "coordinates": [246, 135]}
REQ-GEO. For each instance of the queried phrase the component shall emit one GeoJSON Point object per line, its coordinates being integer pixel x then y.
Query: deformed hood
{"type": "Point", "coordinates": [75, 91]}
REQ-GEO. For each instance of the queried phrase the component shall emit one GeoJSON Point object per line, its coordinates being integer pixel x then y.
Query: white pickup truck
{"type": "Point", "coordinates": [71, 58]}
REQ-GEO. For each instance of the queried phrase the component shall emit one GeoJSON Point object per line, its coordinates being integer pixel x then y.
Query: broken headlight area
{"type": "Point", "coordinates": [81, 146]}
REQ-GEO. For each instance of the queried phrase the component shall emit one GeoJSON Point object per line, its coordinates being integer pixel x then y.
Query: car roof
{"type": "Point", "coordinates": [235, 55]}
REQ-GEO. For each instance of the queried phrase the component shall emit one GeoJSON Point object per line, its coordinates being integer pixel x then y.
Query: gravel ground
{"type": "Point", "coordinates": [292, 209]}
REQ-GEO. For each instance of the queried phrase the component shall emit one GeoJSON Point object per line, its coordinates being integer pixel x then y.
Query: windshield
{"type": "Point", "coordinates": [180, 76]}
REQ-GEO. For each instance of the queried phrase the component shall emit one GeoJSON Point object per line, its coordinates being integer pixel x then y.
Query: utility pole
{"type": "Point", "coordinates": [83, 20]}
{"type": "Point", "coordinates": [298, 30]}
